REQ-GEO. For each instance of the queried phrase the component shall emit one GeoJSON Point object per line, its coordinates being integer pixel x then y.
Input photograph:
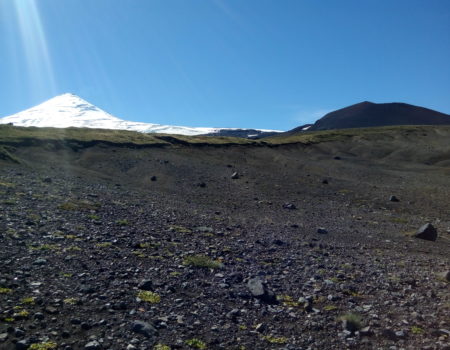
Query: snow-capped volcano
{"type": "Point", "coordinates": [70, 110]}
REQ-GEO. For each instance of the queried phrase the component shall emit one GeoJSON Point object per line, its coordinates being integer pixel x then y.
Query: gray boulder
{"type": "Point", "coordinates": [427, 232]}
{"type": "Point", "coordinates": [93, 345]}
{"type": "Point", "coordinates": [259, 290]}
{"type": "Point", "coordinates": [144, 328]}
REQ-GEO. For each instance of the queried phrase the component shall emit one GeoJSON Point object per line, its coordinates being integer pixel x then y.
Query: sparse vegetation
{"type": "Point", "coordinates": [417, 330]}
{"type": "Point", "coordinates": [78, 205]}
{"type": "Point", "coordinates": [287, 300]}
{"type": "Point", "coordinates": [196, 343]}
{"type": "Point", "coordinates": [5, 154]}
{"type": "Point", "coordinates": [122, 222]}
{"type": "Point", "coordinates": [93, 217]}
{"type": "Point", "coordinates": [201, 261]}
{"type": "Point", "coordinates": [45, 247]}
{"type": "Point", "coordinates": [330, 307]}
{"type": "Point", "coordinates": [5, 290]}
{"type": "Point", "coordinates": [148, 245]}
{"type": "Point", "coordinates": [180, 229]}
{"type": "Point", "coordinates": [275, 340]}
{"type": "Point", "coordinates": [28, 301]}
{"type": "Point", "coordinates": [161, 347]}
{"type": "Point", "coordinates": [149, 297]}
{"type": "Point", "coordinates": [354, 320]}
{"type": "Point", "coordinates": [22, 314]}
{"type": "Point", "coordinates": [399, 220]}
{"type": "Point", "coordinates": [89, 289]}
{"type": "Point", "coordinates": [70, 301]}
{"type": "Point", "coordinates": [103, 245]}
{"type": "Point", "coordinates": [43, 346]}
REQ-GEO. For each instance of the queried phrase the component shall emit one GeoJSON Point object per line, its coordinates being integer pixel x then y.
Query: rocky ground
{"type": "Point", "coordinates": [116, 248]}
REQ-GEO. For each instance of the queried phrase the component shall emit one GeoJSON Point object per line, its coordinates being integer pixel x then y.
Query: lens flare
{"type": "Point", "coordinates": [34, 43]}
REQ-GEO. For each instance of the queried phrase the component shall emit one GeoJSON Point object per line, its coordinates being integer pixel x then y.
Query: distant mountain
{"type": "Point", "coordinates": [368, 114]}
{"type": "Point", "coordinates": [245, 133]}
{"type": "Point", "coordinates": [69, 110]}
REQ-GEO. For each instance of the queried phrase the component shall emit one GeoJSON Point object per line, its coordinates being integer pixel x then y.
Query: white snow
{"type": "Point", "coordinates": [69, 110]}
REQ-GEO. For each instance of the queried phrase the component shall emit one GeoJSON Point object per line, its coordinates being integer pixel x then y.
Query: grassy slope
{"type": "Point", "coordinates": [345, 134]}
{"type": "Point", "coordinates": [13, 134]}
{"type": "Point", "coordinates": [16, 135]}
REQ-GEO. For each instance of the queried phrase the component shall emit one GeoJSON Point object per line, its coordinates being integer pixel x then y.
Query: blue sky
{"type": "Point", "coordinates": [273, 64]}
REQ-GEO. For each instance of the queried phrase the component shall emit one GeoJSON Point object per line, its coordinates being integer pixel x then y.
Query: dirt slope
{"type": "Point", "coordinates": [84, 224]}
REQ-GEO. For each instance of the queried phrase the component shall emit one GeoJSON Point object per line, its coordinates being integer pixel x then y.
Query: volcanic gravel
{"type": "Point", "coordinates": [185, 253]}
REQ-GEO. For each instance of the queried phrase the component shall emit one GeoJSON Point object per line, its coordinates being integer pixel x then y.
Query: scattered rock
{"type": "Point", "coordinates": [325, 181]}
{"type": "Point", "coordinates": [40, 261]}
{"type": "Point", "coordinates": [22, 344]}
{"type": "Point", "coordinates": [18, 333]}
{"type": "Point", "coordinates": [51, 310]}
{"type": "Point", "coordinates": [366, 331]}
{"type": "Point", "coordinates": [153, 178]}
{"type": "Point", "coordinates": [400, 334]}
{"type": "Point", "coordinates": [204, 229]}
{"type": "Point", "coordinates": [322, 230]}
{"type": "Point", "coordinates": [87, 289]}
{"type": "Point", "coordinates": [144, 328]}
{"type": "Point", "coordinates": [445, 275]}
{"type": "Point", "coordinates": [259, 290]}
{"type": "Point", "coordinates": [289, 206]}
{"type": "Point", "coordinates": [39, 316]}
{"type": "Point", "coordinates": [235, 175]}
{"type": "Point", "coordinates": [146, 285]}
{"type": "Point", "coordinates": [350, 326]}
{"type": "Point", "coordinates": [394, 199]}
{"type": "Point", "coordinates": [389, 334]}
{"type": "Point", "coordinates": [427, 232]}
{"type": "Point", "coordinates": [278, 242]}
{"type": "Point", "coordinates": [93, 345]}
{"type": "Point", "coordinates": [444, 332]}
{"type": "Point", "coordinates": [260, 327]}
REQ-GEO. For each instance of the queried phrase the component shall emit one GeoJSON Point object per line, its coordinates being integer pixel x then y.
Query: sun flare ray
{"type": "Point", "coordinates": [34, 43]}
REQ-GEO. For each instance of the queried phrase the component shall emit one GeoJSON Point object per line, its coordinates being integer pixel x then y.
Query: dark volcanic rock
{"type": "Point", "coordinates": [427, 232]}
{"type": "Point", "coordinates": [446, 275]}
{"type": "Point", "coordinates": [144, 328]}
{"type": "Point", "coordinates": [146, 285]}
{"type": "Point", "coordinates": [259, 290]}
{"type": "Point", "coordinates": [22, 344]}
{"type": "Point", "coordinates": [40, 261]}
{"type": "Point", "coordinates": [93, 345]}
{"type": "Point", "coordinates": [393, 199]}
